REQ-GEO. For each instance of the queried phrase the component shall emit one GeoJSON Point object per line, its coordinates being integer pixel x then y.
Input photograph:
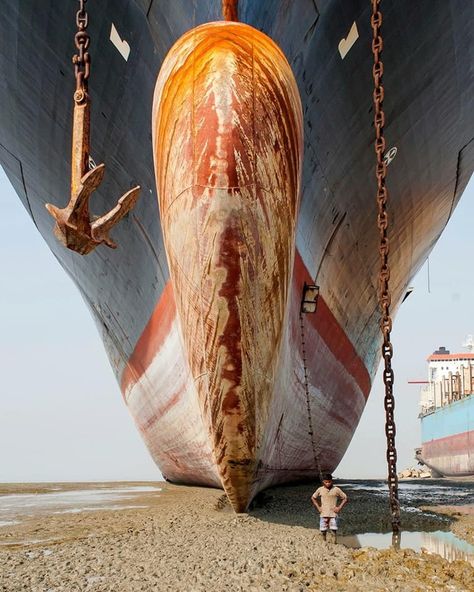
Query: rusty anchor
{"type": "Point", "coordinates": [74, 228]}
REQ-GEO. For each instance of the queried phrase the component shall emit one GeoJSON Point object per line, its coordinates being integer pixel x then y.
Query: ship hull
{"type": "Point", "coordinates": [448, 439]}
{"type": "Point", "coordinates": [130, 291]}
{"type": "Point", "coordinates": [175, 432]}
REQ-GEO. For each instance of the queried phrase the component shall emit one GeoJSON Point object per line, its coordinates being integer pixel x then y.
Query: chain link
{"type": "Point", "coordinates": [384, 275]}
{"type": "Point", "coordinates": [81, 60]}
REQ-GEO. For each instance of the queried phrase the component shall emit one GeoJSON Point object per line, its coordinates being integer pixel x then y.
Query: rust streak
{"type": "Point", "coordinates": [230, 10]}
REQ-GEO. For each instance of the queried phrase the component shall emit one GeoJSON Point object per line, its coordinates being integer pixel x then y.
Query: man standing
{"type": "Point", "coordinates": [328, 506]}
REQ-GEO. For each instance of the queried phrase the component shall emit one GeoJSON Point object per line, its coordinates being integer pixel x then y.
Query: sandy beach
{"type": "Point", "coordinates": [187, 538]}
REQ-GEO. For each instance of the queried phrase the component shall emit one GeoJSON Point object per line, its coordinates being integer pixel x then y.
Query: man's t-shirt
{"type": "Point", "coordinates": [329, 499]}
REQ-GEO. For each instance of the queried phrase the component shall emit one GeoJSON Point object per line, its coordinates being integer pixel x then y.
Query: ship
{"type": "Point", "coordinates": [239, 309]}
{"type": "Point", "coordinates": [447, 414]}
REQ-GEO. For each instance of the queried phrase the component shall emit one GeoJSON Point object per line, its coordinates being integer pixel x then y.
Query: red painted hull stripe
{"type": "Point", "coordinates": [152, 338]}
{"type": "Point", "coordinates": [332, 334]}
{"type": "Point", "coordinates": [450, 445]}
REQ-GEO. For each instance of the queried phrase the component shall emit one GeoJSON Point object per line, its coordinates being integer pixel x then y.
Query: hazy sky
{"type": "Point", "coordinates": [61, 412]}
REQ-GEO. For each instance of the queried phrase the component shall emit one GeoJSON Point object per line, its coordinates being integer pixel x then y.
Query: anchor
{"type": "Point", "coordinates": [74, 228]}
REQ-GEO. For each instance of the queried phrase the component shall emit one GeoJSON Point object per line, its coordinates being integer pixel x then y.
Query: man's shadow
{"type": "Point", "coordinates": [287, 504]}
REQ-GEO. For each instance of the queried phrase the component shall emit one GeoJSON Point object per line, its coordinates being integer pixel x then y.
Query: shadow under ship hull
{"type": "Point", "coordinates": [322, 364]}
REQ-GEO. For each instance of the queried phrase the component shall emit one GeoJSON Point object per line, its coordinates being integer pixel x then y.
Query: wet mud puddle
{"type": "Point", "coordinates": [438, 542]}
{"type": "Point", "coordinates": [428, 530]}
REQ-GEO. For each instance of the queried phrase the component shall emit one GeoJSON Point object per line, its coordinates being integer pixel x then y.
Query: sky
{"type": "Point", "coordinates": [62, 417]}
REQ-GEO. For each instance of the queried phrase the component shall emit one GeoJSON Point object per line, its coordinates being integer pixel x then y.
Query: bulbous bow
{"type": "Point", "coordinates": [227, 140]}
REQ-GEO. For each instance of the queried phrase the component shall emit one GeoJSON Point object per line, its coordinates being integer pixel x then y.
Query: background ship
{"type": "Point", "coordinates": [430, 122]}
{"type": "Point", "coordinates": [447, 414]}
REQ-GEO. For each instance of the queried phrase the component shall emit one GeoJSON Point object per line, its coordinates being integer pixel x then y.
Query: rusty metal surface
{"type": "Point", "coordinates": [82, 59]}
{"type": "Point", "coordinates": [227, 128]}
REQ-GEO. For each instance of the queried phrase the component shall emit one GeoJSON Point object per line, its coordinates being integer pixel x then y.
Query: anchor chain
{"type": "Point", "coordinates": [308, 406]}
{"type": "Point", "coordinates": [384, 274]}
{"type": "Point", "coordinates": [74, 228]}
{"type": "Point", "coordinates": [81, 60]}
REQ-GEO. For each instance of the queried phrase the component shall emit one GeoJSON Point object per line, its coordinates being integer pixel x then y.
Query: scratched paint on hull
{"type": "Point", "coordinates": [164, 405]}
{"type": "Point", "coordinates": [227, 126]}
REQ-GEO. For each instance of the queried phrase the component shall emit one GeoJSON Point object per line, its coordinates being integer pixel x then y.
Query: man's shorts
{"type": "Point", "coordinates": [326, 522]}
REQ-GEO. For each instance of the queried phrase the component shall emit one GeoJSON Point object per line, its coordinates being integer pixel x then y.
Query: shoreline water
{"type": "Point", "coordinates": [188, 538]}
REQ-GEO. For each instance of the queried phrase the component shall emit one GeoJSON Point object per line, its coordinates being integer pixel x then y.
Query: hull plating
{"type": "Point", "coordinates": [448, 439]}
